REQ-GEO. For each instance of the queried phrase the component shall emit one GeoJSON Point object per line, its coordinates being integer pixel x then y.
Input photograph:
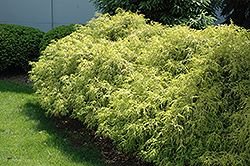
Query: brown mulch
{"type": "Point", "coordinates": [108, 150]}
{"type": "Point", "coordinates": [16, 77]}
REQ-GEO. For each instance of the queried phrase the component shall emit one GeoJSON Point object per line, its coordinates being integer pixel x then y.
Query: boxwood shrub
{"type": "Point", "coordinates": [55, 34]}
{"type": "Point", "coordinates": [18, 45]}
{"type": "Point", "coordinates": [173, 96]}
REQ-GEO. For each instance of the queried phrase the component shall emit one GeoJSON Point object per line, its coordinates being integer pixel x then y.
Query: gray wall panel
{"type": "Point", "coordinates": [73, 11]}
{"type": "Point", "coordinates": [38, 13]}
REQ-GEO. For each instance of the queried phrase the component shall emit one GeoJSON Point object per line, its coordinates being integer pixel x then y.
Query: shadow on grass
{"type": "Point", "coordinates": [63, 140]}
{"type": "Point", "coordinates": [70, 136]}
{"type": "Point", "coordinates": [7, 86]}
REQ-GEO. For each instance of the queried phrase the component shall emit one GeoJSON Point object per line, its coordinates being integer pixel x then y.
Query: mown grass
{"type": "Point", "coordinates": [28, 137]}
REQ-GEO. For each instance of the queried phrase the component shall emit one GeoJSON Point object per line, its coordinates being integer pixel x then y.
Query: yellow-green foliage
{"type": "Point", "coordinates": [174, 96]}
{"type": "Point", "coordinates": [55, 34]}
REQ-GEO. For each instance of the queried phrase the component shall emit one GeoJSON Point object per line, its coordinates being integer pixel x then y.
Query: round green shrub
{"type": "Point", "coordinates": [55, 34]}
{"type": "Point", "coordinates": [18, 45]}
{"type": "Point", "coordinates": [173, 96]}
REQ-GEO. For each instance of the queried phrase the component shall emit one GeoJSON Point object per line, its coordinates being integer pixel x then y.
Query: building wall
{"type": "Point", "coordinates": [45, 14]}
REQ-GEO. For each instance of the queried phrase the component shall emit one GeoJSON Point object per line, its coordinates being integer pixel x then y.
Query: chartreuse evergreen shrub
{"type": "Point", "coordinates": [55, 34]}
{"type": "Point", "coordinates": [174, 96]}
{"type": "Point", "coordinates": [18, 45]}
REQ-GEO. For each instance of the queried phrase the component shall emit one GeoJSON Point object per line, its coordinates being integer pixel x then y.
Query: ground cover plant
{"type": "Point", "coordinates": [27, 137]}
{"type": "Point", "coordinates": [173, 96]}
{"type": "Point", "coordinates": [18, 45]}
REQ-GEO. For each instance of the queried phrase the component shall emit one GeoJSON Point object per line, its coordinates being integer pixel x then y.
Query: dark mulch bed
{"type": "Point", "coordinates": [109, 151]}
{"type": "Point", "coordinates": [75, 128]}
{"type": "Point", "coordinates": [18, 77]}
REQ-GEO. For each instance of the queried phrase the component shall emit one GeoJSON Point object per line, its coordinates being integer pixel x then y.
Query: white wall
{"type": "Point", "coordinates": [40, 14]}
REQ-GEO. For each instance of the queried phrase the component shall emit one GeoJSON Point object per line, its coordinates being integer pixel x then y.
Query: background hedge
{"type": "Point", "coordinates": [18, 45]}
{"type": "Point", "coordinates": [195, 13]}
{"type": "Point", "coordinates": [55, 34]}
{"type": "Point", "coordinates": [174, 96]}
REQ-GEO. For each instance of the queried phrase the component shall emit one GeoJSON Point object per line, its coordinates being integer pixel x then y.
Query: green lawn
{"type": "Point", "coordinates": [28, 137]}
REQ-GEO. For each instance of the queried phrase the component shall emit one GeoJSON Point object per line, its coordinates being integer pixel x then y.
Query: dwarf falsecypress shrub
{"type": "Point", "coordinates": [173, 96]}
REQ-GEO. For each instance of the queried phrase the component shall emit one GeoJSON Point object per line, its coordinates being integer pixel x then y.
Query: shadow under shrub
{"type": "Point", "coordinates": [18, 45]}
{"type": "Point", "coordinates": [174, 96]}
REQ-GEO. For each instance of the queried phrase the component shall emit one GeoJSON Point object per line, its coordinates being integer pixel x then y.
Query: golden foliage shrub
{"type": "Point", "coordinates": [173, 96]}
